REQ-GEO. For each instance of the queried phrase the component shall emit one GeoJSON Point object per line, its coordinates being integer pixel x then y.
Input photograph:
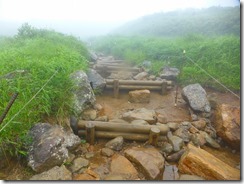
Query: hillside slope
{"type": "Point", "coordinates": [211, 21]}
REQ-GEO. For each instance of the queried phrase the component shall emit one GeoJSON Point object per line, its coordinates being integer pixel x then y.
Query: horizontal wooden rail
{"type": "Point", "coordinates": [137, 82]}
{"type": "Point", "coordinates": [116, 84]}
{"type": "Point", "coordinates": [121, 127]}
{"type": "Point", "coordinates": [127, 136]}
{"type": "Point", "coordinates": [114, 68]}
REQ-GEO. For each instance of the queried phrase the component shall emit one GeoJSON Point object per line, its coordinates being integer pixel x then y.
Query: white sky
{"type": "Point", "coordinates": [96, 10]}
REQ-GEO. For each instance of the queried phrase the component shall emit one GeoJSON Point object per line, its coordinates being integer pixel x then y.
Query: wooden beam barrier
{"type": "Point", "coordinates": [121, 127]}
{"type": "Point", "coordinates": [126, 136]}
{"type": "Point", "coordinates": [115, 84]}
{"type": "Point", "coordinates": [138, 82]}
{"type": "Point", "coordinates": [114, 68]}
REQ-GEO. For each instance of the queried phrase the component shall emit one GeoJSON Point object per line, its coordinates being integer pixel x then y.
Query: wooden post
{"type": "Point", "coordinates": [164, 87]}
{"type": "Point", "coordinates": [116, 88]}
{"type": "Point", "coordinates": [90, 133]}
{"type": "Point", "coordinates": [153, 136]}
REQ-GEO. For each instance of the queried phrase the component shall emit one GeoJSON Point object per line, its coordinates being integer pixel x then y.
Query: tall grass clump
{"type": "Point", "coordinates": [27, 61]}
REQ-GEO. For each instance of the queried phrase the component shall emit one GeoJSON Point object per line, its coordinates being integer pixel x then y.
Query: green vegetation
{"type": "Point", "coordinates": [27, 62]}
{"type": "Point", "coordinates": [210, 37]}
{"type": "Point", "coordinates": [219, 56]}
{"type": "Point", "coordinates": [211, 22]}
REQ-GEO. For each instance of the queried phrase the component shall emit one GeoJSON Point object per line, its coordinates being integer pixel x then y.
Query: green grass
{"type": "Point", "coordinates": [40, 53]}
{"type": "Point", "coordinates": [219, 56]}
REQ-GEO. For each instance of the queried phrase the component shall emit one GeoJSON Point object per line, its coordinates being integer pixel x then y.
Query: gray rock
{"type": "Point", "coordinates": [196, 97]}
{"type": "Point", "coordinates": [89, 155]}
{"type": "Point", "coordinates": [139, 122]}
{"type": "Point", "coordinates": [142, 114]}
{"type": "Point", "coordinates": [50, 146]}
{"type": "Point", "coordinates": [93, 56]}
{"type": "Point", "coordinates": [175, 157]}
{"type": "Point", "coordinates": [56, 173]}
{"type": "Point", "coordinates": [169, 73]}
{"type": "Point", "coordinates": [167, 148]}
{"type": "Point", "coordinates": [82, 92]}
{"type": "Point", "coordinates": [116, 143]}
{"type": "Point", "coordinates": [176, 142]}
{"type": "Point", "coordinates": [96, 80]}
{"type": "Point", "coordinates": [78, 164]}
{"type": "Point", "coordinates": [210, 141]}
{"type": "Point", "coordinates": [107, 152]}
{"type": "Point", "coordinates": [198, 139]}
{"type": "Point", "coordinates": [141, 76]}
{"type": "Point", "coordinates": [200, 124]}
{"type": "Point", "coordinates": [183, 134]}
{"type": "Point", "coordinates": [173, 126]}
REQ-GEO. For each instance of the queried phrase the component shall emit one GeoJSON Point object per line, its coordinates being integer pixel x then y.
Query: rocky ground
{"type": "Point", "coordinates": [201, 141]}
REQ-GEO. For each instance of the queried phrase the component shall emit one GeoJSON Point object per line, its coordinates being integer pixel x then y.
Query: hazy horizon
{"type": "Point", "coordinates": [90, 18]}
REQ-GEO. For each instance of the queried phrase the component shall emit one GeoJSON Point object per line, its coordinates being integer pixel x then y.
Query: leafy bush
{"type": "Point", "coordinates": [27, 62]}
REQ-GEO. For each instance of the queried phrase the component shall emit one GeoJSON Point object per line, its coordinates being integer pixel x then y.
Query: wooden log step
{"type": "Point", "coordinates": [119, 127]}
{"type": "Point", "coordinates": [129, 69]}
{"type": "Point", "coordinates": [136, 82]}
{"type": "Point", "coordinates": [138, 87]}
{"type": "Point", "coordinates": [125, 135]}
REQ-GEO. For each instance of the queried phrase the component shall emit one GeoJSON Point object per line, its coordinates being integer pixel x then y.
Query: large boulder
{"type": "Point", "coordinates": [148, 160]}
{"type": "Point", "coordinates": [55, 173]}
{"type": "Point", "coordinates": [227, 124]}
{"type": "Point", "coordinates": [122, 166]}
{"type": "Point", "coordinates": [96, 80]}
{"type": "Point", "coordinates": [140, 114]}
{"type": "Point", "coordinates": [196, 97]}
{"type": "Point", "coordinates": [196, 161]}
{"type": "Point", "coordinates": [169, 73]}
{"type": "Point", "coordinates": [139, 96]}
{"type": "Point", "coordinates": [82, 91]}
{"type": "Point", "coordinates": [50, 146]}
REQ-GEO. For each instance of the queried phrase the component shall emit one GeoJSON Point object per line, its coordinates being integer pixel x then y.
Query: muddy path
{"type": "Point", "coordinates": [113, 108]}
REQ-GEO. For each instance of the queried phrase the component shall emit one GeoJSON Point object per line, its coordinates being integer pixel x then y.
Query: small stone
{"type": "Point", "coordinates": [200, 124]}
{"type": "Point", "coordinates": [107, 152]}
{"type": "Point", "coordinates": [176, 142]}
{"type": "Point", "coordinates": [173, 126]}
{"type": "Point", "coordinates": [167, 148]}
{"type": "Point", "coordinates": [78, 164]}
{"type": "Point", "coordinates": [89, 114]}
{"type": "Point", "coordinates": [89, 155]}
{"type": "Point", "coordinates": [115, 144]}
{"type": "Point", "coordinates": [139, 122]}
{"type": "Point", "coordinates": [162, 119]}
